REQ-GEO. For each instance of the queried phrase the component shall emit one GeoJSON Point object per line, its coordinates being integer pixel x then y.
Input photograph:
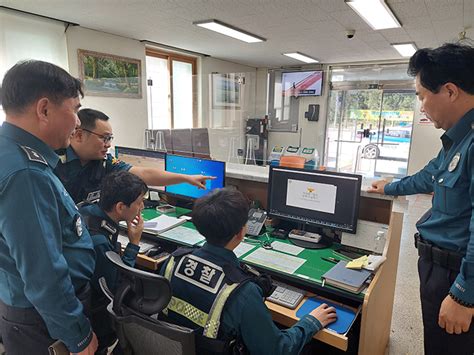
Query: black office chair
{"type": "Point", "coordinates": [140, 297]}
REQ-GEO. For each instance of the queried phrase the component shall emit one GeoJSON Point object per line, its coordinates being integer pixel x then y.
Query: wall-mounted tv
{"type": "Point", "coordinates": [302, 83]}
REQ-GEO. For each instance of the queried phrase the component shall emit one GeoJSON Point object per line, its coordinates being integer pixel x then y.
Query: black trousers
{"type": "Point", "coordinates": [435, 282]}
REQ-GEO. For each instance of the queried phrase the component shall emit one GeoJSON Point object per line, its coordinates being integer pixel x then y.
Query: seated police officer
{"type": "Point", "coordinates": [122, 196]}
{"type": "Point", "coordinates": [215, 296]}
{"type": "Point", "coordinates": [86, 161]}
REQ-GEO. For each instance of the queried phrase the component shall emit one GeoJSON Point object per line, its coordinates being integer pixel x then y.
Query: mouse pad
{"type": "Point", "coordinates": [345, 316]}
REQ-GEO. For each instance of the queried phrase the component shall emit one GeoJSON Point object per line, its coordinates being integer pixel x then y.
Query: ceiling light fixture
{"type": "Point", "coordinates": [301, 57]}
{"type": "Point", "coordinates": [405, 49]}
{"type": "Point", "coordinates": [376, 13]}
{"type": "Point", "coordinates": [228, 30]}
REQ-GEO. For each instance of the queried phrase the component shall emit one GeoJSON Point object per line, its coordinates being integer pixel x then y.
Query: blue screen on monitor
{"type": "Point", "coordinates": [194, 166]}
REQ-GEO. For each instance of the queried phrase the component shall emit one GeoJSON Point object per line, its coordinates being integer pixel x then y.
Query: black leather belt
{"type": "Point", "coordinates": [445, 258]}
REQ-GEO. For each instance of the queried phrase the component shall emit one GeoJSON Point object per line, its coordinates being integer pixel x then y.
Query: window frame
{"type": "Point", "coordinates": [170, 57]}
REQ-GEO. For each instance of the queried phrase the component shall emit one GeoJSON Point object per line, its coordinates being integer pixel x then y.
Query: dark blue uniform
{"type": "Point", "coordinates": [196, 281]}
{"type": "Point", "coordinates": [104, 233]}
{"type": "Point", "coordinates": [449, 227]}
{"type": "Point", "coordinates": [46, 253]}
{"type": "Point", "coordinates": [83, 182]}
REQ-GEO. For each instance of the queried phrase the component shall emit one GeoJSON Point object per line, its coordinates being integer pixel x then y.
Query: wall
{"type": "Point", "coordinates": [128, 116]}
{"type": "Point", "coordinates": [425, 143]}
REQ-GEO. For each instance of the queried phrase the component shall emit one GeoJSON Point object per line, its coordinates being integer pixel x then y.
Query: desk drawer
{"type": "Point", "coordinates": [287, 317]}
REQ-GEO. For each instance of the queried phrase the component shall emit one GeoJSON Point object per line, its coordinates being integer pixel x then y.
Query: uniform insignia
{"type": "Point", "coordinates": [200, 272]}
{"type": "Point", "coordinates": [33, 155]}
{"type": "Point", "coordinates": [115, 161]}
{"type": "Point", "coordinates": [93, 196]}
{"type": "Point", "coordinates": [108, 227]}
{"type": "Point", "coordinates": [63, 158]}
{"type": "Point", "coordinates": [454, 162]}
{"type": "Point", "coordinates": [78, 224]}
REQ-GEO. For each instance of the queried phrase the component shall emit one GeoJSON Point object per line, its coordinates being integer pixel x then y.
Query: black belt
{"type": "Point", "coordinates": [445, 258]}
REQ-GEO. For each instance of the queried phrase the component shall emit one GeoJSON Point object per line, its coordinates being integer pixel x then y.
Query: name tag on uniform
{"type": "Point", "coordinates": [78, 223]}
{"type": "Point", "coordinates": [200, 272]}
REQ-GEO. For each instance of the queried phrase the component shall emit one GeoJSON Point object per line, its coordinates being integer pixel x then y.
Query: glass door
{"type": "Point", "coordinates": [369, 130]}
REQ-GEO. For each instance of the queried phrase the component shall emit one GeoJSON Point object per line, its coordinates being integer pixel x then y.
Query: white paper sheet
{"type": "Point", "coordinates": [243, 248]}
{"type": "Point", "coordinates": [275, 260]}
{"type": "Point", "coordinates": [287, 248]}
{"type": "Point", "coordinates": [183, 235]}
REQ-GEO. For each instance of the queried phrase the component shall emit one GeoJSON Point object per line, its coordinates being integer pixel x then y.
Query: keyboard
{"type": "Point", "coordinates": [286, 295]}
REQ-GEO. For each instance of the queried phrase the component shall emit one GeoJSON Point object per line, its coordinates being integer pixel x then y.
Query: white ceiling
{"type": "Point", "coordinates": [314, 27]}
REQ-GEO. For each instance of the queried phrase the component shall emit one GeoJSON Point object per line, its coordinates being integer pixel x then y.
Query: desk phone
{"type": "Point", "coordinates": [256, 221]}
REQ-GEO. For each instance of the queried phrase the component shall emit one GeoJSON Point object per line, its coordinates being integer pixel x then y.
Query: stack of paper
{"type": "Point", "coordinates": [162, 223]}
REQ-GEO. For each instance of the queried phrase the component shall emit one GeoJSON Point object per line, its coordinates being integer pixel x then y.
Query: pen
{"type": "Point", "coordinates": [331, 260]}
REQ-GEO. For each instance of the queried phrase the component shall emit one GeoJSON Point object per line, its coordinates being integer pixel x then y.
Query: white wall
{"type": "Point", "coordinates": [425, 143]}
{"type": "Point", "coordinates": [128, 117]}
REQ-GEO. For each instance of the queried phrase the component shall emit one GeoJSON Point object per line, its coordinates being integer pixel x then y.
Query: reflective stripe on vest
{"type": "Point", "coordinates": [210, 323]}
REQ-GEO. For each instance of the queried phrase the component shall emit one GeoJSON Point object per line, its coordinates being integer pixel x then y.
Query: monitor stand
{"type": "Point", "coordinates": [308, 240]}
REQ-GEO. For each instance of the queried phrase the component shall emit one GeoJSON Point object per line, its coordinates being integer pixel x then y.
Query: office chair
{"type": "Point", "coordinates": [134, 307]}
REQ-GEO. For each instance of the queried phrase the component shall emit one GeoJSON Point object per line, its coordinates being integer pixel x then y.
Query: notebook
{"type": "Point", "coordinates": [346, 279]}
{"type": "Point", "coordinates": [345, 316]}
{"type": "Point", "coordinates": [162, 223]}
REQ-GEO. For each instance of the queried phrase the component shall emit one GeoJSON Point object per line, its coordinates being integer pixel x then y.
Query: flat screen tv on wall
{"type": "Point", "coordinates": [302, 83]}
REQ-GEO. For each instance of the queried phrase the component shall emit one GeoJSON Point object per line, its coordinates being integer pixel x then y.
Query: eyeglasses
{"type": "Point", "coordinates": [106, 139]}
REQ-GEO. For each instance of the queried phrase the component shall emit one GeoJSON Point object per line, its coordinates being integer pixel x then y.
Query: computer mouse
{"type": "Point", "coordinates": [154, 251]}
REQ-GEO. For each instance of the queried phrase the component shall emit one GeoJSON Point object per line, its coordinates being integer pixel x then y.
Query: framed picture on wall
{"type": "Point", "coordinates": [110, 75]}
{"type": "Point", "coordinates": [226, 91]}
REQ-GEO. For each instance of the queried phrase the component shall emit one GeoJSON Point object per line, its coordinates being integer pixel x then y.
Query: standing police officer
{"type": "Point", "coordinates": [445, 87]}
{"type": "Point", "coordinates": [86, 161]}
{"type": "Point", "coordinates": [46, 254]}
{"type": "Point", "coordinates": [215, 296]}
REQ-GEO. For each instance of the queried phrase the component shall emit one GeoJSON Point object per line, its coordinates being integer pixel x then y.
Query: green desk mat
{"type": "Point", "coordinates": [310, 271]}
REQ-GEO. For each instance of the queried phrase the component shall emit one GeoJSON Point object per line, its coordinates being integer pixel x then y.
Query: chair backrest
{"type": "Point", "coordinates": [292, 161]}
{"type": "Point", "coordinates": [135, 306]}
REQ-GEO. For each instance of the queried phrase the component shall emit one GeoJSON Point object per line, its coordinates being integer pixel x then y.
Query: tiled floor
{"type": "Point", "coordinates": [407, 330]}
{"type": "Point", "coordinates": [406, 334]}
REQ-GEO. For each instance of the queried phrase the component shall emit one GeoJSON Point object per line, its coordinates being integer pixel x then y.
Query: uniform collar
{"type": "Point", "coordinates": [25, 138]}
{"type": "Point", "coordinates": [223, 253]}
{"type": "Point", "coordinates": [461, 128]}
{"type": "Point", "coordinates": [71, 154]}
{"type": "Point", "coordinates": [96, 210]}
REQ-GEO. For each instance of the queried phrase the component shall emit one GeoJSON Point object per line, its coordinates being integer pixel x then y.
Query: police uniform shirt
{"type": "Point", "coordinates": [76, 177]}
{"type": "Point", "coordinates": [46, 253]}
{"type": "Point", "coordinates": [246, 314]}
{"type": "Point", "coordinates": [451, 177]}
{"type": "Point", "coordinates": [102, 244]}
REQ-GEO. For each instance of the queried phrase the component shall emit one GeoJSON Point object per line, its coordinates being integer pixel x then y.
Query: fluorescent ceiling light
{"type": "Point", "coordinates": [405, 49]}
{"type": "Point", "coordinates": [375, 12]}
{"type": "Point", "coordinates": [228, 30]}
{"type": "Point", "coordinates": [301, 57]}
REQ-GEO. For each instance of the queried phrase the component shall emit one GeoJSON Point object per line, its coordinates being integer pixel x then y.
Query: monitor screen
{"type": "Point", "coordinates": [302, 83]}
{"type": "Point", "coordinates": [321, 198]}
{"type": "Point", "coordinates": [194, 166]}
{"type": "Point", "coordinates": [142, 158]}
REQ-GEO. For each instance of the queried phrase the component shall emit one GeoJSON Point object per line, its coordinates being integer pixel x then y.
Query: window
{"type": "Point", "coordinates": [171, 80]}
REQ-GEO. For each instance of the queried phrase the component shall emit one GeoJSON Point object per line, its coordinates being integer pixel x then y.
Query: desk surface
{"type": "Point", "coordinates": [308, 274]}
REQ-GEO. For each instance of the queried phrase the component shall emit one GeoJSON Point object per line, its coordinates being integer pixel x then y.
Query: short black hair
{"type": "Point", "coordinates": [220, 215]}
{"type": "Point", "coordinates": [28, 81]}
{"type": "Point", "coordinates": [120, 186]}
{"type": "Point", "coordinates": [89, 116]}
{"type": "Point", "coordinates": [450, 63]}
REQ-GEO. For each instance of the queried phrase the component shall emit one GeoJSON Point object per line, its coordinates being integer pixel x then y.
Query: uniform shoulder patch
{"type": "Point", "coordinates": [33, 155]}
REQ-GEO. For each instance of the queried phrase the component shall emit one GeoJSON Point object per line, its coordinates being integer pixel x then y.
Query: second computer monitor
{"type": "Point", "coordinates": [320, 198]}
{"type": "Point", "coordinates": [194, 166]}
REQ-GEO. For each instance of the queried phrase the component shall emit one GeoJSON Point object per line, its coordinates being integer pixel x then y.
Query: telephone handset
{"type": "Point", "coordinates": [256, 221]}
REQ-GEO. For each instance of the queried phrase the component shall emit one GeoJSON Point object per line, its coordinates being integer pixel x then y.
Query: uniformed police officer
{"type": "Point", "coordinates": [121, 199]}
{"type": "Point", "coordinates": [46, 254]}
{"type": "Point", "coordinates": [212, 293]}
{"type": "Point", "coordinates": [445, 87]}
{"type": "Point", "coordinates": [86, 161]}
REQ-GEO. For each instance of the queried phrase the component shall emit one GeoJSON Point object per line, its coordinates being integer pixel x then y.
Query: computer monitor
{"type": "Point", "coordinates": [319, 198]}
{"type": "Point", "coordinates": [194, 166]}
{"type": "Point", "coordinates": [142, 158]}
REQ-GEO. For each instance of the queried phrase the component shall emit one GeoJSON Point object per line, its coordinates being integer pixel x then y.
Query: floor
{"type": "Point", "coordinates": [407, 330]}
{"type": "Point", "coordinates": [406, 336]}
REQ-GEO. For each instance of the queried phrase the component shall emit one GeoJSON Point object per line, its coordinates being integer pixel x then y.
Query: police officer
{"type": "Point", "coordinates": [86, 161]}
{"type": "Point", "coordinates": [445, 87]}
{"type": "Point", "coordinates": [46, 254]}
{"type": "Point", "coordinates": [121, 199]}
{"type": "Point", "coordinates": [212, 293]}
